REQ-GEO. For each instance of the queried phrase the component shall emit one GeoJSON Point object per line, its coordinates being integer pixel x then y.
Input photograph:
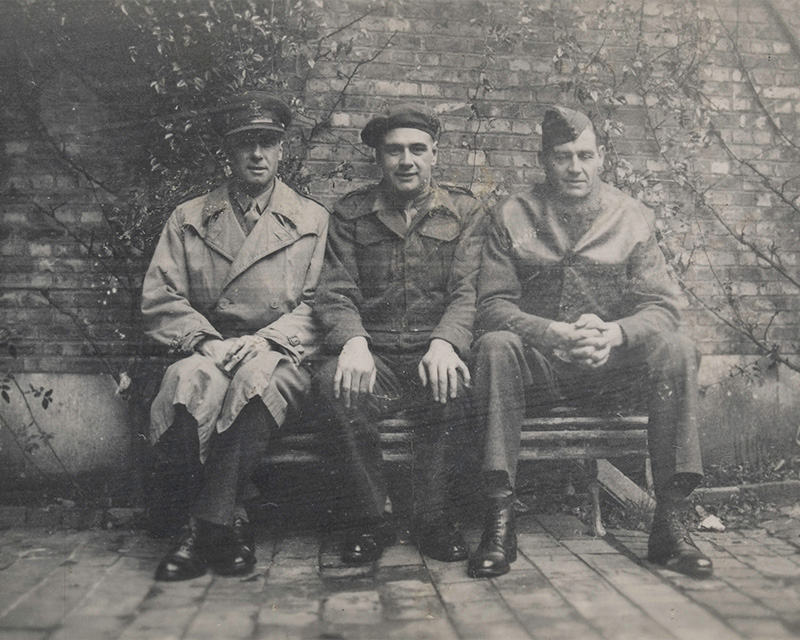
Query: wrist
{"type": "Point", "coordinates": [355, 342]}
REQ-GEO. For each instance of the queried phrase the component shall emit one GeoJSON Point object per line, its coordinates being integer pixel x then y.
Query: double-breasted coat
{"type": "Point", "coordinates": [208, 278]}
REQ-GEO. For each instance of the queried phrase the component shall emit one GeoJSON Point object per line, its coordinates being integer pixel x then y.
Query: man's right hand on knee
{"type": "Point", "coordinates": [355, 371]}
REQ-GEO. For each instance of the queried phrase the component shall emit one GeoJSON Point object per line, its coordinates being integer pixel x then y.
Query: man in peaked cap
{"type": "Point", "coordinates": [397, 302]}
{"type": "Point", "coordinates": [575, 305]}
{"type": "Point", "coordinates": [229, 289]}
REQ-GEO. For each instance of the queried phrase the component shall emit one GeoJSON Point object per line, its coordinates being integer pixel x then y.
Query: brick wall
{"type": "Point", "coordinates": [489, 70]}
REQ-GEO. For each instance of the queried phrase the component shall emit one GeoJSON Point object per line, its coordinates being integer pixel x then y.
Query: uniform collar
{"type": "Point", "coordinates": [284, 201]}
{"type": "Point", "coordinates": [262, 200]}
{"type": "Point", "coordinates": [436, 198]}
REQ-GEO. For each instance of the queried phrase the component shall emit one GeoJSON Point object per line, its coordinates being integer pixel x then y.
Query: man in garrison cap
{"type": "Point", "coordinates": [229, 290]}
{"type": "Point", "coordinates": [575, 305]}
{"type": "Point", "coordinates": [397, 302]}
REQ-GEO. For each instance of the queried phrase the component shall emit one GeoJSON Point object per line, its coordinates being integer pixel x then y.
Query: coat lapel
{"type": "Point", "coordinates": [269, 235]}
{"type": "Point", "coordinates": [216, 224]}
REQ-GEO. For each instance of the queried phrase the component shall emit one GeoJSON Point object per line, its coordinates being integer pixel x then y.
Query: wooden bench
{"type": "Point", "coordinates": [563, 434]}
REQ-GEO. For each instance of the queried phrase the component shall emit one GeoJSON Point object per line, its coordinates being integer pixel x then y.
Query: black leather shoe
{"type": "Point", "coordinates": [362, 546]}
{"type": "Point", "coordinates": [229, 551]}
{"type": "Point", "coordinates": [671, 546]}
{"type": "Point", "coordinates": [183, 561]}
{"type": "Point", "coordinates": [498, 546]}
{"type": "Point", "coordinates": [441, 541]}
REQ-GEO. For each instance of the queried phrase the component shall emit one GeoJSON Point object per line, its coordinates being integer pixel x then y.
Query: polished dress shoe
{"type": "Point", "coordinates": [671, 546]}
{"type": "Point", "coordinates": [183, 561]}
{"type": "Point", "coordinates": [498, 546]}
{"type": "Point", "coordinates": [441, 540]}
{"type": "Point", "coordinates": [229, 551]}
{"type": "Point", "coordinates": [362, 546]}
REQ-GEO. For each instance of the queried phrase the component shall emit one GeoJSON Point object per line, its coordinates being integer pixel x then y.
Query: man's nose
{"type": "Point", "coordinates": [574, 165]}
{"type": "Point", "coordinates": [257, 151]}
{"type": "Point", "coordinates": [406, 157]}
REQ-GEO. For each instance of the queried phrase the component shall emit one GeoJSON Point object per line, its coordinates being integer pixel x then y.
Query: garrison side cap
{"type": "Point", "coordinates": [403, 115]}
{"type": "Point", "coordinates": [253, 111]}
{"type": "Point", "coordinates": [562, 125]}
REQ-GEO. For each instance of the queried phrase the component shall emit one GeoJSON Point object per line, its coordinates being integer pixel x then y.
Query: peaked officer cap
{"type": "Point", "coordinates": [253, 110]}
{"type": "Point", "coordinates": [400, 116]}
{"type": "Point", "coordinates": [562, 125]}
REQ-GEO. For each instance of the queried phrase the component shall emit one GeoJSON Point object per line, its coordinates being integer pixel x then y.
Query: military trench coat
{"type": "Point", "coordinates": [208, 279]}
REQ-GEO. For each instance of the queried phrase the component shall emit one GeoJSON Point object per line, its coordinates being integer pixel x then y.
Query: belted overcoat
{"type": "Point", "coordinates": [207, 278]}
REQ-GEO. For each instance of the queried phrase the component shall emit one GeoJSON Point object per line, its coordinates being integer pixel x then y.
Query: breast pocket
{"type": "Point", "coordinates": [374, 253]}
{"type": "Point", "coordinates": [439, 240]}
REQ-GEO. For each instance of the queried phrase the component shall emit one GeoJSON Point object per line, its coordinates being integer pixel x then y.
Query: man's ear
{"type": "Point", "coordinates": [280, 149]}
{"type": "Point", "coordinates": [601, 152]}
{"type": "Point", "coordinates": [434, 149]}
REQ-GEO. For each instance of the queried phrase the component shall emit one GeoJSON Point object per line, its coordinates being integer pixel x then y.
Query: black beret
{"type": "Point", "coordinates": [562, 125]}
{"type": "Point", "coordinates": [253, 110]}
{"type": "Point", "coordinates": [404, 115]}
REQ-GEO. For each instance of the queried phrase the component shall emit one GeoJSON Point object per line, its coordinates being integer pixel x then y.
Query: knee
{"type": "Point", "coordinates": [196, 366]}
{"type": "Point", "coordinates": [497, 344]}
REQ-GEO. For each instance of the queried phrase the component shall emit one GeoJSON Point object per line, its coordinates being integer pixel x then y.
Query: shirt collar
{"type": "Point", "coordinates": [243, 200]}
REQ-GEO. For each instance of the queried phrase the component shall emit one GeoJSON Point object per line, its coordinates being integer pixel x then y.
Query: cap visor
{"type": "Point", "coordinates": [256, 127]}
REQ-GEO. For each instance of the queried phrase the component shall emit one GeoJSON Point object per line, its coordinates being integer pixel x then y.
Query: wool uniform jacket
{"type": "Point", "coordinates": [532, 274]}
{"type": "Point", "coordinates": [401, 285]}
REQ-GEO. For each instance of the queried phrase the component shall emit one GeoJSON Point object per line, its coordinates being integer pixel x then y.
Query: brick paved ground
{"type": "Point", "coordinates": [70, 585]}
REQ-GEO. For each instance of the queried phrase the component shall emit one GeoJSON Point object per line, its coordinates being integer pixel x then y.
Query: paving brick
{"type": "Point", "coordinates": [345, 607]}
{"type": "Point", "coordinates": [300, 547]}
{"type": "Point", "coordinates": [564, 527]}
{"type": "Point", "coordinates": [166, 623]}
{"type": "Point", "coordinates": [416, 608]}
{"type": "Point", "coordinates": [22, 634]}
{"type": "Point", "coordinates": [760, 629]}
{"type": "Point", "coordinates": [467, 591]}
{"type": "Point", "coordinates": [216, 620]}
{"type": "Point", "coordinates": [589, 546]}
{"type": "Point", "coordinates": [293, 612]}
{"type": "Point", "coordinates": [437, 629]}
{"type": "Point", "coordinates": [292, 572]}
{"type": "Point", "coordinates": [88, 627]}
{"type": "Point", "coordinates": [465, 614]}
{"type": "Point", "coordinates": [507, 630]}
{"type": "Point", "coordinates": [399, 555]}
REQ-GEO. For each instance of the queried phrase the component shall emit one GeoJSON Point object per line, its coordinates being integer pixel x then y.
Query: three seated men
{"type": "Point", "coordinates": [572, 297]}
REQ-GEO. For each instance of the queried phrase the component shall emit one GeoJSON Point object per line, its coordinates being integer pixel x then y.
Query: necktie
{"type": "Point", "coordinates": [251, 216]}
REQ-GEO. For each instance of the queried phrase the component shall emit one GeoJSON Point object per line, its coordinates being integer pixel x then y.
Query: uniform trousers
{"type": "Point", "coordinates": [660, 376]}
{"type": "Point", "coordinates": [435, 430]}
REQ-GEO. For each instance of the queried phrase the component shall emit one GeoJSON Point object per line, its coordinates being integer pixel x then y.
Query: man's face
{"type": "Point", "coordinates": [254, 157]}
{"type": "Point", "coordinates": [406, 157]}
{"type": "Point", "coordinates": [573, 168]}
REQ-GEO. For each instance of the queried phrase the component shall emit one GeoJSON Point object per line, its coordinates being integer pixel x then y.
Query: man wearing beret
{"type": "Point", "coordinates": [229, 288]}
{"type": "Point", "coordinates": [575, 304]}
{"type": "Point", "coordinates": [397, 303]}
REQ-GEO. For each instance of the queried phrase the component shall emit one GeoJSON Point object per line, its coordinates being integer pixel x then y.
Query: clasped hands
{"type": "Point", "coordinates": [586, 342]}
{"type": "Point", "coordinates": [229, 354]}
{"type": "Point", "coordinates": [356, 371]}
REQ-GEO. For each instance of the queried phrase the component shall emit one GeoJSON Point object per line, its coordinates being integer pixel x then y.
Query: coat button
{"type": "Point", "coordinates": [224, 303]}
{"type": "Point", "coordinates": [274, 303]}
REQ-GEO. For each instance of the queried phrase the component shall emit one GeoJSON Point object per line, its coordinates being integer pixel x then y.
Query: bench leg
{"type": "Point", "coordinates": [596, 527]}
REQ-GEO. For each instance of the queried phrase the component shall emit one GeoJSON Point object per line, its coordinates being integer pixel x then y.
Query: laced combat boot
{"type": "Point", "coordinates": [671, 545]}
{"type": "Point", "coordinates": [498, 546]}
